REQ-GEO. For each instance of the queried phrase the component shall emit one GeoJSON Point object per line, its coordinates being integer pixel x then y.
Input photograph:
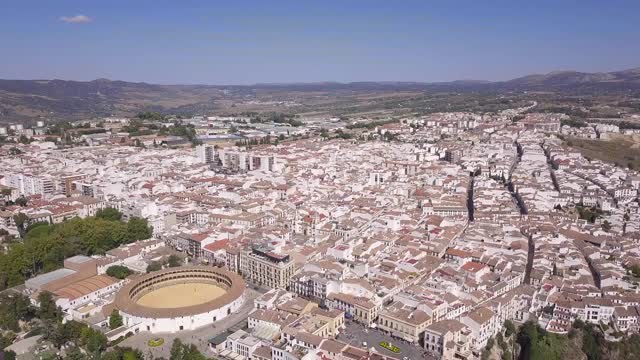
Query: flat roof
{"type": "Point", "coordinates": [217, 340]}
{"type": "Point", "coordinates": [41, 280]}
{"type": "Point", "coordinates": [78, 259]}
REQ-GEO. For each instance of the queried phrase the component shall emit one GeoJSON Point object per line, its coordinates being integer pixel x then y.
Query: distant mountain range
{"type": "Point", "coordinates": [60, 99]}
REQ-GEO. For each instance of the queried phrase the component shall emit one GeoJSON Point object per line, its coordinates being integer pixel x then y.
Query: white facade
{"type": "Point", "coordinates": [180, 323]}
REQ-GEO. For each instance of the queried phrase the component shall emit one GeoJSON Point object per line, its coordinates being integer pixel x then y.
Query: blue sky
{"type": "Point", "coordinates": [246, 42]}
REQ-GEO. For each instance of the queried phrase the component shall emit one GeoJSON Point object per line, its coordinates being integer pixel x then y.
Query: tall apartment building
{"type": "Point", "coordinates": [206, 153]}
{"type": "Point", "coordinates": [28, 184]}
{"type": "Point", "coordinates": [262, 266]}
{"type": "Point", "coordinates": [236, 159]}
{"type": "Point", "coordinates": [67, 183]}
{"type": "Point", "coordinates": [86, 189]}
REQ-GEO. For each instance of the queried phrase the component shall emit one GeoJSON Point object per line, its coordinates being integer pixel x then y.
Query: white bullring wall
{"type": "Point", "coordinates": [170, 320]}
{"type": "Point", "coordinates": [171, 325]}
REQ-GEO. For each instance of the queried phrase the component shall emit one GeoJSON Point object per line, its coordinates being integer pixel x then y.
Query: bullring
{"type": "Point", "coordinates": [182, 298]}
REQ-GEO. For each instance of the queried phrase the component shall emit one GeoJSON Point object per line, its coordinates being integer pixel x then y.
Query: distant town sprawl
{"type": "Point", "coordinates": [449, 235]}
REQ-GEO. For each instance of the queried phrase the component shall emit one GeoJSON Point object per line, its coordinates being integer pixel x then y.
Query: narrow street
{"type": "Point", "coordinates": [552, 172]}
{"type": "Point", "coordinates": [470, 197]}
{"type": "Point", "coordinates": [523, 211]}
{"type": "Point", "coordinates": [511, 188]}
{"type": "Point", "coordinates": [531, 251]}
{"type": "Point", "coordinates": [608, 192]}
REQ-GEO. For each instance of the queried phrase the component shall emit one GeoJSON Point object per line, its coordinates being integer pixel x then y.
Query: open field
{"type": "Point", "coordinates": [622, 151]}
{"type": "Point", "coordinates": [181, 295]}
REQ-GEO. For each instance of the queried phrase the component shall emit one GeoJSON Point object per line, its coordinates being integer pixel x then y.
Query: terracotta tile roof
{"type": "Point", "coordinates": [84, 287]}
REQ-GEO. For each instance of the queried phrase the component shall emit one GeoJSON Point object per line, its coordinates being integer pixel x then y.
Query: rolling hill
{"type": "Point", "coordinates": [27, 100]}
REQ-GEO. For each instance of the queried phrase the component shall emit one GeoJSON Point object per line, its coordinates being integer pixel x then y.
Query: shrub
{"type": "Point", "coordinates": [156, 342]}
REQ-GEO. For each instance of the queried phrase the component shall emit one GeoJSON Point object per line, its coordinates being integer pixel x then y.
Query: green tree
{"type": "Point", "coordinates": [119, 271]}
{"type": "Point", "coordinates": [490, 344]}
{"type": "Point", "coordinates": [7, 339]}
{"type": "Point", "coordinates": [132, 354]}
{"type": "Point", "coordinates": [509, 328]}
{"type": "Point", "coordinates": [138, 229]}
{"type": "Point", "coordinates": [96, 342]}
{"type": "Point", "coordinates": [48, 308]}
{"type": "Point", "coordinates": [14, 265]}
{"type": "Point", "coordinates": [592, 342]}
{"type": "Point", "coordinates": [122, 353]}
{"type": "Point", "coordinates": [485, 355]}
{"type": "Point", "coordinates": [24, 140]}
{"type": "Point", "coordinates": [21, 220]}
{"type": "Point", "coordinates": [174, 261]}
{"type": "Point", "coordinates": [109, 213]}
{"type": "Point", "coordinates": [181, 351]}
{"type": "Point", "coordinates": [176, 352]}
{"type": "Point", "coordinates": [500, 340]}
{"type": "Point", "coordinates": [21, 201]}
{"type": "Point", "coordinates": [115, 320]}
{"type": "Point", "coordinates": [150, 115]}
{"type": "Point", "coordinates": [527, 336]}
{"type": "Point", "coordinates": [154, 266]}
{"type": "Point", "coordinates": [13, 308]}
{"type": "Point", "coordinates": [75, 353]}
{"type": "Point", "coordinates": [548, 347]}
{"type": "Point", "coordinates": [71, 331]}
{"type": "Point", "coordinates": [506, 355]}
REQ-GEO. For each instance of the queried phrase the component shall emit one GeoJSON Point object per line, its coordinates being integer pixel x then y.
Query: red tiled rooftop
{"type": "Point", "coordinates": [473, 266]}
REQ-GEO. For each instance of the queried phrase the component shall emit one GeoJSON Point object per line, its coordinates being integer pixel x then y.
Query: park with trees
{"type": "Point", "coordinates": [45, 246]}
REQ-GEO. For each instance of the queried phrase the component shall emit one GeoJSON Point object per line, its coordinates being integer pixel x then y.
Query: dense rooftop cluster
{"type": "Point", "coordinates": [434, 230]}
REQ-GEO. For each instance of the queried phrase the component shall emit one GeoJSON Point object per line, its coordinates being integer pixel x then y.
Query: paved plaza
{"type": "Point", "coordinates": [355, 334]}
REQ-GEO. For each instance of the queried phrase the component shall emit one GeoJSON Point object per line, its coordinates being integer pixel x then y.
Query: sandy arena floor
{"type": "Point", "coordinates": [181, 295]}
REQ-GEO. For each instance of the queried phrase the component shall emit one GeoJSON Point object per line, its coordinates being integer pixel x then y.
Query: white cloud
{"type": "Point", "coordinates": [78, 19]}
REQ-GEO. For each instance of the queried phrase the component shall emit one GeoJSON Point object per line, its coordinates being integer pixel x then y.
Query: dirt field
{"type": "Point", "coordinates": [620, 150]}
{"type": "Point", "coordinates": [181, 295]}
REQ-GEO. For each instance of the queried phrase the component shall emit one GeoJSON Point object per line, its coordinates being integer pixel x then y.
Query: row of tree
{"type": "Point", "coordinates": [267, 140]}
{"type": "Point", "coordinates": [338, 135]}
{"type": "Point", "coordinates": [574, 122]}
{"type": "Point", "coordinates": [171, 261]}
{"type": "Point", "coordinates": [370, 125]}
{"type": "Point", "coordinates": [278, 118]}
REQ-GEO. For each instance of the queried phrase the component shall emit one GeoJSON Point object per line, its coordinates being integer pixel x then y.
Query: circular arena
{"type": "Point", "coordinates": [182, 298]}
